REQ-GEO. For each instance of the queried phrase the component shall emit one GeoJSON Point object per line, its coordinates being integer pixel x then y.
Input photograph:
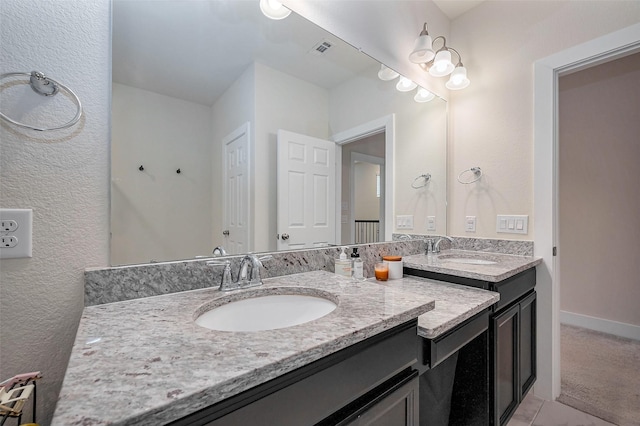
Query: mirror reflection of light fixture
{"type": "Point", "coordinates": [273, 9]}
{"type": "Point", "coordinates": [405, 84]}
{"type": "Point", "coordinates": [386, 73]}
{"type": "Point", "coordinates": [423, 95]}
{"type": "Point", "coordinates": [439, 64]}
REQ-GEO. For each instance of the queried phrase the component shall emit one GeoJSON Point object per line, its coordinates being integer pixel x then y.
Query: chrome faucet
{"type": "Point", "coordinates": [248, 273]}
{"type": "Point", "coordinates": [436, 246]}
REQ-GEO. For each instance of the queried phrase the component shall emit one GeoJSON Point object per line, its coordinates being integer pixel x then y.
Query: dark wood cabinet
{"type": "Point", "coordinates": [513, 357]}
{"type": "Point", "coordinates": [369, 383]}
{"type": "Point", "coordinates": [510, 361]}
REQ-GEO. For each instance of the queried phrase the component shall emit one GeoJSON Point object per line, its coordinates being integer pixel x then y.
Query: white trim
{"type": "Point", "coordinates": [602, 325]}
{"type": "Point", "coordinates": [546, 72]}
{"type": "Point", "coordinates": [384, 124]}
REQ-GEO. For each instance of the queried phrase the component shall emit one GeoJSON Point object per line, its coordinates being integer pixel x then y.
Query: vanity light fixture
{"type": "Point", "coordinates": [386, 73]}
{"type": "Point", "coordinates": [273, 9]}
{"type": "Point", "coordinates": [423, 95]}
{"type": "Point", "coordinates": [405, 84]}
{"type": "Point", "coordinates": [439, 63]}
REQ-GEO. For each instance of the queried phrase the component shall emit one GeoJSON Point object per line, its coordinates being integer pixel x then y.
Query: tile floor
{"type": "Point", "coordinates": [534, 411]}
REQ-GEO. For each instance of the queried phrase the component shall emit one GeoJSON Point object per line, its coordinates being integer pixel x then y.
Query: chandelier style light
{"type": "Point", "coordinates": [438, 63]}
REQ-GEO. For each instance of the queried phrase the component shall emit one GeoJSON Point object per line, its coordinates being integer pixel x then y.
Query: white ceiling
{"type": "Point", "coordinates": [194, 50]}
{"type": "Point", "coordinates": [455, 8]}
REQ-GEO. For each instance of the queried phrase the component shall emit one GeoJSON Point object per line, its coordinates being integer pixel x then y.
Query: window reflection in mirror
{"type": "Point", "coordinates": [195, 80]}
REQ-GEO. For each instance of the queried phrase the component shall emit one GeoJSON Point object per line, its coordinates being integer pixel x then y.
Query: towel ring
{"type": "Point", "coordinates": [44, 86]}
{"type": "Point", "coordinates": [426, 177]}
{"type": "Point", "coordinates": [475, 170]}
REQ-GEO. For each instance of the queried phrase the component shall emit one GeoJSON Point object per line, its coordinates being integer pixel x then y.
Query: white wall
{"type": "Point", "coordinates": [285, 103]}
{"type": "Point", "coordinates": [158, 214]}
{"type": "Point", "coordinates": [233, 108]}
{"type": "Point", "coordinates": [366, 202]}
{"type": "Point", "coordinates": [63, 176]}
{"type": "Point", "coordinates": [420, 142]}
{"type": "Point", "coordinates": [491, 121]}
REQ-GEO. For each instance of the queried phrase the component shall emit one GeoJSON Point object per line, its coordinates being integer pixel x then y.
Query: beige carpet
{"type": "Point", "coordinates": [601, 375]}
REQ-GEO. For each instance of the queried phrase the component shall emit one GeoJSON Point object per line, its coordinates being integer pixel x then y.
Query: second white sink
{"type": "Point", "coordinates": [269, 312]}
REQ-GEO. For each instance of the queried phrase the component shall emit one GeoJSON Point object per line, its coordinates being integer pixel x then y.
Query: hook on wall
{"type": "Point", "coordinates": [178, 171]}
{"type": "Point", "coordinates": [141, 168]}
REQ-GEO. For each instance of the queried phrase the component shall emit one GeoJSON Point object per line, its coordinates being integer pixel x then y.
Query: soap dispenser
{"type": "Point", "coordinates": [343, 265]}
{"type": "Point", "coordinates": [357, 265]}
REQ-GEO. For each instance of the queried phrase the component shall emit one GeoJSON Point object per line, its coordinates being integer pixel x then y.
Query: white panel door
{"type": "Point", "coordinates": [236, 166]}
{"type": "Point", "coordinates": [306, 191]}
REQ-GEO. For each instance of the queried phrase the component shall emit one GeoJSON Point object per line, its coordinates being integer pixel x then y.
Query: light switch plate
{"type": "Point", "coordinates": [512, 224]}
{"type": "Point", "coordinates": [15, 237]}
{"type": "Point", "coordinates": [404, 221]}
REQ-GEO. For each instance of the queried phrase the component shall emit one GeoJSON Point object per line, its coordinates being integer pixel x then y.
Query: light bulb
{"type": "Point", "coordinates": [273, 9]}
{"type": "Point", "coordinates": [442, 64]}
{"type": "Point", "coordinates": [458, 79]}
{"type": "Point", "coordinates": [387, 73]}
{"type": "Point", "coordinates": [405, 85]}
{"type": "Point", "coordinates": [423, 95]}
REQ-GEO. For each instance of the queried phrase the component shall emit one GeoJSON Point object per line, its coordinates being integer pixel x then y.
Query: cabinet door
{"type": "Point", "coordinates": [505, 327]}
{"type": "Point", "coordinates": [527, 343]}
{"type": "Point", "coordinates": [399, 407]}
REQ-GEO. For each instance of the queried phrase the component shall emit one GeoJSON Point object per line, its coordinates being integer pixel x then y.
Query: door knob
{"type": "Point", "coordinates": [285, 237]}
{"type": "Point", "coordinates": [225, 233]}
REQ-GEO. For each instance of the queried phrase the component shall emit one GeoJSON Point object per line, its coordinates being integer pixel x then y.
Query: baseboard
{"type": "Point", "coordinates": [616, 328]}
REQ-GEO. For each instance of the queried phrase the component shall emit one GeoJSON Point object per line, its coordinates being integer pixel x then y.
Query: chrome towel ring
{"type": "Point", "coordinates": [44, 86]}
{"type": "Point", "coordinates": [426, 177]}
{"type": "Point", "coordinates": [475, 170]}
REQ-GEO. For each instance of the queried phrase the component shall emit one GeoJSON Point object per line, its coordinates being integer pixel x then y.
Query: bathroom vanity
{"type": "Point", "coordinates": [509, 364]}
{"type": "Point", "coordinates": [146, 362]}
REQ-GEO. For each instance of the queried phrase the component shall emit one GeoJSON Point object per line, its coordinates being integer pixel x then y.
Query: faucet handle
{"type": "Point", "coordinates": [226, 274]}
{"type": "Point", "coordinates": [429, 248]}
{"type": "Point", "coordinates": [255, 267]}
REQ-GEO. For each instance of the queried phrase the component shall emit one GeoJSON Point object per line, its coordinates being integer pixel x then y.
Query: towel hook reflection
{"type": "Point", "coordinates": [416, 182]}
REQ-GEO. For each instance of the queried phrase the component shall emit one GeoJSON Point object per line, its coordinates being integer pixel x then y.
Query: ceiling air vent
{"type": "Point", "coordinates": [321, 48]}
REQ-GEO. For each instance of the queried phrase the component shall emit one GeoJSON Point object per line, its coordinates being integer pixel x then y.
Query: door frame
{"type": "Point", "coordinates": [546, 74]}
{"type": "Point", "coordinates": [384, 124]}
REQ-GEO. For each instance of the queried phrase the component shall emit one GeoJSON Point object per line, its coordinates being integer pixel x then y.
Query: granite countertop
{"type": "Point", "coordinates": [505, 265]}
{"type": "Point", "coordinates": [146, 362]}
{"type": "Point", "coordinates": [454, 303]}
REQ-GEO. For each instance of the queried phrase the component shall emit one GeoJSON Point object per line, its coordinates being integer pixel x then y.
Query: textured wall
{"type": "Point", "coordinates": [63, 176]}
{"type": "Point", "coordinates": [599, 192]}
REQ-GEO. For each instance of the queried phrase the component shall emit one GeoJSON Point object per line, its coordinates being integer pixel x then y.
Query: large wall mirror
{"type": "Point", "coordinates": [231, 129]}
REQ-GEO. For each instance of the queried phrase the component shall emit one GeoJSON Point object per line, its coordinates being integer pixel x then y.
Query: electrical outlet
{"type": "Point", "coordinates": [470, 224]}
{"type": "Point", "coordinates": [15, 233]}
{"type": "Point", "coordinates": [8, 226]}
{"type": "Point", "coordinates": [8, 242]}
{"type": "Point", "coordinates": [431, 223]}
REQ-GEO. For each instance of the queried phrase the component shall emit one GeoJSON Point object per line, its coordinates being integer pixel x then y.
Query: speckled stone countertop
{"type": "Point", "coordinates": [146, 362]}
{"type": "Point", "coordinates": [505, 265]}
{"type": "Point", "coordinates": [454, 303]}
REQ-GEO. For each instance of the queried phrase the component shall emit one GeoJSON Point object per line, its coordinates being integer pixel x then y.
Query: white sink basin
{"type": "Point", "coordinates": [470, 260]}
{"type": "Point", "coordinates": [269, 312]}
